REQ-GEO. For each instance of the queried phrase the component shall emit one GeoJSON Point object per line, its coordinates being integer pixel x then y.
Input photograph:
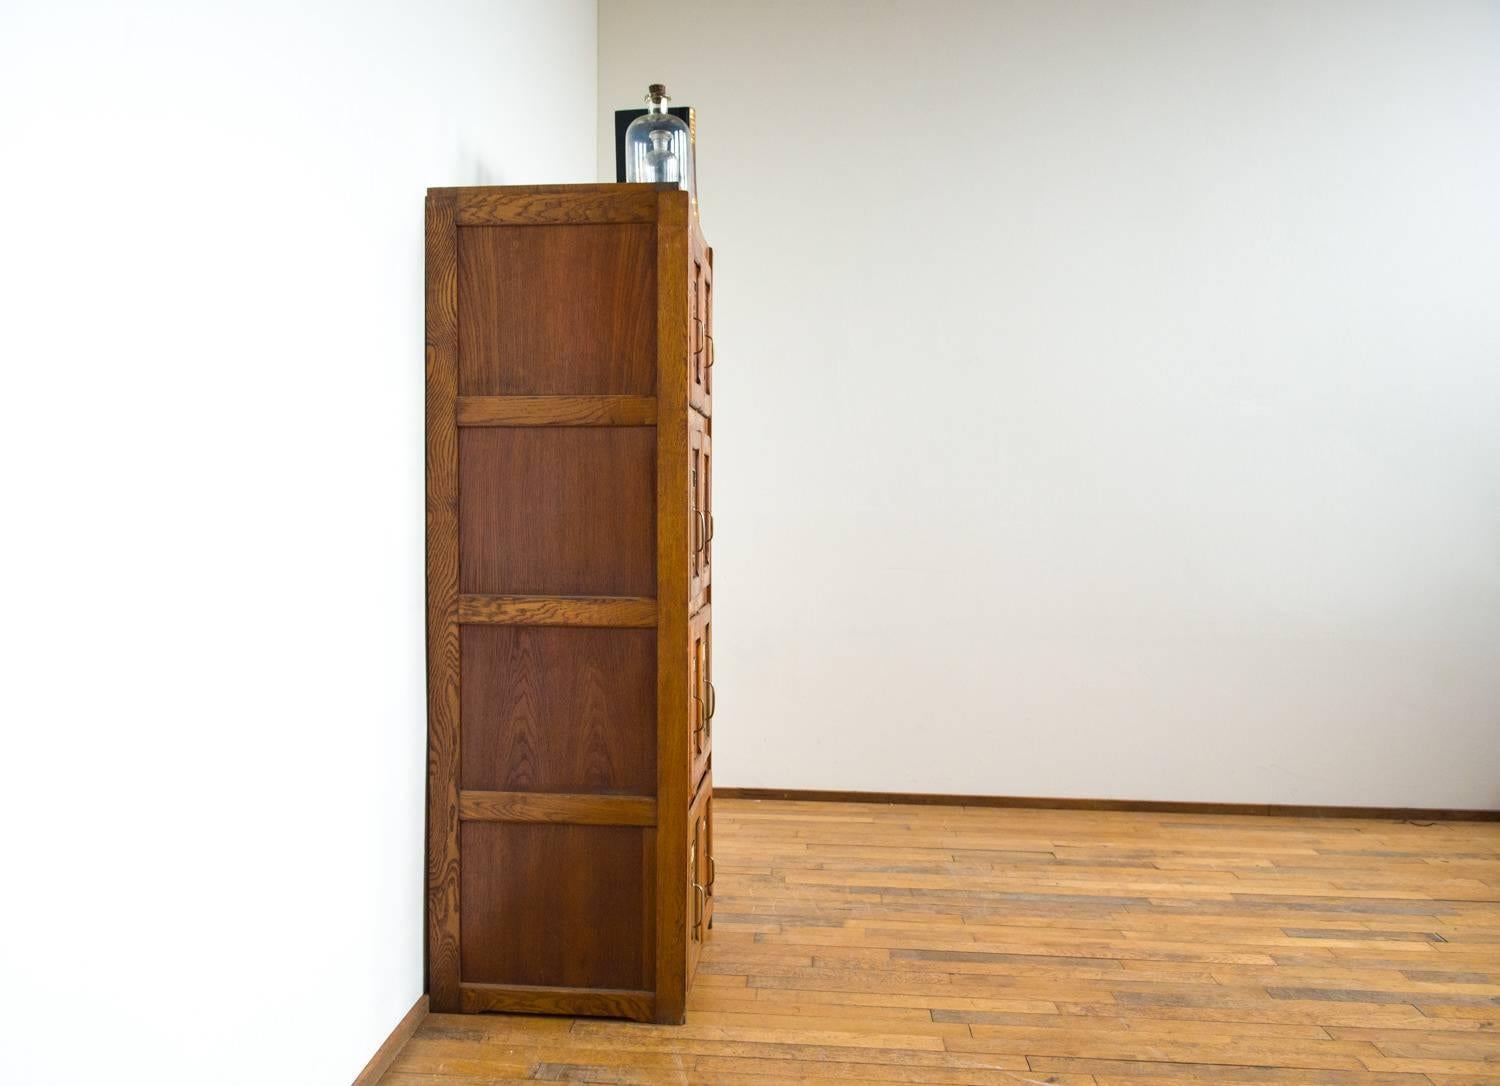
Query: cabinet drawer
{"type": "Point", "coordinates": [701, 872]}
{"type": "Point", "coordinates": [700, 664]}
{"type": "Point", "coordinates": [701, 336]}
{"type": "Point", "coordinates": [700, 485]}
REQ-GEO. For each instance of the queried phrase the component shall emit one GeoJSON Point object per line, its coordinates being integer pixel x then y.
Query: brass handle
{"type": "Point", "coordinates": [713, 702]}
{"type": "Point", "coordinates": [701, 524]}
{"type": "Point", "coordinates": [713, 873]}
{"type": "Point", "coordinates": [710, 349]}
{"type": "Point", "coordinates": [701, 893]}
{"type": "Point", "coordinates": [710, 538]}
{"type": "Point", "coordinates": [701, 717]}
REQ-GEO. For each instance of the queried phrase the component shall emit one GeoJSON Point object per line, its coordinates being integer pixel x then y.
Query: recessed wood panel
{"type": "Point", "coordinates": [558, 511]}
{"type": "Point", "coordinates": [559, 709]}
{"type": "Point", "coordinates": [547, 310]}
{"type": "Point", "coordinates": [560, 906]}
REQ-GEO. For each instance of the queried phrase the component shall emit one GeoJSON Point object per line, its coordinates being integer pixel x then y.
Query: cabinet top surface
{"type": "Point", "coordinates": [540, 205]}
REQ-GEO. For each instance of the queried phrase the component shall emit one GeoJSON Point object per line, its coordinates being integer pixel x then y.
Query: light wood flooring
{"type": "Point", "coordinates": [862, 943]}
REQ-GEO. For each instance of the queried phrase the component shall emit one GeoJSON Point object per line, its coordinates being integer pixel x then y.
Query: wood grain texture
{"type": "Point", "coordinates": [1275, 810]}
{"type": "Point", "coordinates": [556, 807]}
{"type": "Point", "coordinates": [519, 999]}
{"type": "Point", "coordinates": [558, 709]}
{"type": "Point", "coordinates": [673, 568]}
{"type": "Point", "coordinates": [608, 611]}
{"type": "Point", "coordinates": [557, 410]}
{"type": "Point", "coordinates": [568, 310]}
{"type": "Point", "coordinates": [616, 204]}
{"type": "Point", "coordinates": [391, 1047]}
{"type": "Point", "coordinates": [864, 943]}
{"type": "Point", "coordinates": [558, 905]}
{"type": "Point", "coordinates": [558, 511]}
{"type": "Point", "coordinates": [443, 881]}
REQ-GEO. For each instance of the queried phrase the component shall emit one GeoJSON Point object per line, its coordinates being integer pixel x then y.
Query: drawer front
{"type": "Point", "coordinates": [700, 338]}
{"type": "Point", "coordinates": [701, 495]}
{"type": "Point", "coordinates": [700, 664]}
{"type": "Point", "coordinates": [700, 873]}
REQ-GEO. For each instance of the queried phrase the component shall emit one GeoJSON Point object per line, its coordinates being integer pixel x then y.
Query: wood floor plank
{"type": "Point", "coordinates": [968, 946]}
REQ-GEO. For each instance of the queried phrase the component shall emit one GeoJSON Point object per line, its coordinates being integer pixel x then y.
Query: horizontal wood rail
{"type": "Point", "coordinates": [631, 612]}
{"type": "Point", "coordinates": [1049, 803]}
{"type": "Point", "coordinates": [559, 807]}
{"type": "Point", "coordinates": [557, 410]}
{"type": "Point", "coordinates": [623, 205]}
{"type": "Point", "coordinates": [516, 998]}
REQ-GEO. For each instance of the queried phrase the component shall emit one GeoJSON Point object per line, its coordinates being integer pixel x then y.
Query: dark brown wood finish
{"type": "Point", "coordinates": [562, 904]}
{"type": "Point", "coordinates": [674, 564]}
{"type": "Point", "coordinates": [557, 511]}
{"type": "Point", "coordinates": [565, 310]}
{"type": "Point", "coordinates": [561, 545]}
{"type": "Point", "coordinates": [535, 999]}
{"type": "Point", "coordinates": [559, 709]}
{"type": "Point", "coordinates": [442, 605]}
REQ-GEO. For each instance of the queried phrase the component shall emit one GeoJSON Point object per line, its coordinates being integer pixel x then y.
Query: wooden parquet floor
{"type": "Point", "coordinates": [860, 943]}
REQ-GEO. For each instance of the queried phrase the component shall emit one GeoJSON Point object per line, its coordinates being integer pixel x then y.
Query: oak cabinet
{"type": "Point", "coordinates": [569, 544]}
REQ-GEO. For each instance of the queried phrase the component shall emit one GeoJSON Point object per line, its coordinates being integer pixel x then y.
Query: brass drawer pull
{"type": "Point", "coordinates": [701, 893]}
{"type": "Point", "coordinates": [713, 699]}
{"type": "Point", "coordinates": [701, 523]}
{"type": "Point", "coordinates": [710, 538]}
{"type": "Point", "coordinates": [710, 349]}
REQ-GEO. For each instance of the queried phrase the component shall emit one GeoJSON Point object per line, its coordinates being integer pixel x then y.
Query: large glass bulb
{"type": "Point", "coordinates": [658, 146]}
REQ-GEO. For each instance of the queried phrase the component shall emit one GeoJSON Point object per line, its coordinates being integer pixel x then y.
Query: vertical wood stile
{"type": "Point", "coordinates": [442, 604]}
{"type": "Point", "coordinates": [673, 570]}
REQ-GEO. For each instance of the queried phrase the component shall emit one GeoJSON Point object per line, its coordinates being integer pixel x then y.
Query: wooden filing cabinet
{"type": "Point", "coordinates": [570, 524]}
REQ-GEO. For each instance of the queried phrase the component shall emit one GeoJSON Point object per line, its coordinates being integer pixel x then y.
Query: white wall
{"type": "Point", "coordinates": [211, 239]}
{"type": "Point", "coordinates": [1108, 394]}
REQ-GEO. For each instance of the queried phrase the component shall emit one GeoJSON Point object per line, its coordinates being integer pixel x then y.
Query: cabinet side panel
{"type": "Point", "coordinates": [559, 709]}
{"type": "Point", "coordinates": [674, 502]}
{"type": "Point", "coordinates": [553, 310]}
{"type": "Point", "coordinates": [553, 905]}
